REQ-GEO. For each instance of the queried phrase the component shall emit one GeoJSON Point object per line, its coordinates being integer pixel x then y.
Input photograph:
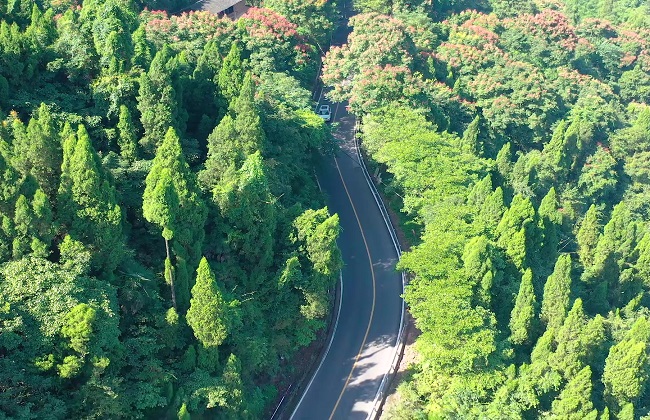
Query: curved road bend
{"type": "Point", "coordinates": [367, 322]}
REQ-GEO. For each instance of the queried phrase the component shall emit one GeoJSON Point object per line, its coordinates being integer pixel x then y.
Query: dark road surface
{"type": "Point", "coordinates": [368, 320]}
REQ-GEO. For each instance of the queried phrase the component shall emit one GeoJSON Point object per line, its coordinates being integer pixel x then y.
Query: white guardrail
{"type": "Point", "coordinates": [399, 345]}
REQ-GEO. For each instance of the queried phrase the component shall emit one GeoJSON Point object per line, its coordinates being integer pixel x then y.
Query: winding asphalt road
{"type": "Point", "coordinates": [369, 313]}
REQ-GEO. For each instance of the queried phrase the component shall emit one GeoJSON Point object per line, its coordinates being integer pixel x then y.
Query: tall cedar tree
{"type": "Point", "coordinates": [470, 140]}
{"type": "Point", "coordinates": [32, 226]}
{"type": "Point", "coordinates": [9, 176]}
{"type": "Point", "coordinates": [111, 27]}
{"type": "Point", "coordinates": [504, 163]}
{"type": "Point", "coordinates": [250, 214]}
{"type": "Point", "coordinates": [158, 101]}
{"type": "Point", "coordinates": [627, 412]}
{"type": "Point", "coordinates": [587, 236]}
{"type": "Point", "coordinates": [232, 383]}
{"type": "Point", "coordinates": [577, 341]}
{"type": "Point", "coordinates": [557, 291]}
{"type": "Point", "coordinates": [142, 49]}
{"type": "Point", "coordinates": [524, 315]}
{"type": "Point", "coordinates": [480, 191]}
{"type": "Point", "coordinates": [231, 74]}
{"type": "Point", "coordinates": [574, 402]}
{"type": "Point", "coordinates": [488, 205]}
{"type": "Point", "coordinates": [39, 152]}
{"type": "Point", "coordinates": [183, 221]}
{"type": "Point", "coordinates": [205, 99]}
{"type": "Point", "coordinates": [492, 211]}
{"type": "Point", "coordinates": [643, 262]}
{"type": "Point", "coordinates": [126, 139]}
{"type": "Point", "coordinates": [626, 372]}
{"type": "Point", "coordinates": [248, 123]}
{"type": "Point", "coordinates": [90, 198]}
{"type": "Point", "coordinates": [561, 150]}
{"type": "Point", "coordinates": [608, 276]}
{"type": "Point", "coordinates": [223, 154]}
{"type": "Point", "coordinates": [550, 221]}
{"type": "Point", "coordinates": [478, 262]}
{"type": "Point", "coordinates": [234, 139]}
{"type": "Point", "coordinates": [208, 312]}
{"type": "Point", "coordinates": [162, 206]}
{"type": "Point", "coordinates": [518, 233]}
{"type": "Point", "coordinates": [183, 414]}
{"type": "Point", "coordinates": [42, 230]}
{"type": "Point", "coordinates": [23, 220]}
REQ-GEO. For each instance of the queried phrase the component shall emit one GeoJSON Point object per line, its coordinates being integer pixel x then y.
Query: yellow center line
{"type": "Point", "coordinates": [372, 310]}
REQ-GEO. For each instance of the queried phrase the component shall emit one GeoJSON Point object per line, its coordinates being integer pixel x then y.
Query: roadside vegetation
{"type": "Point", "coordinates": [518, 135]}
{"type": "Point", "coordinates": [164, 247]}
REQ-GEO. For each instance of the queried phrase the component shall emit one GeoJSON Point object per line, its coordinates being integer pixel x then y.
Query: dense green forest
{"type": "Point", "coordinates": [164, 247]}
{"type": "Point", "coordinates": [517, 136]}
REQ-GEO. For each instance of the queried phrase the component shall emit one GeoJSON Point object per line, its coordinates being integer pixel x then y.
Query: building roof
{"type": "Point", "coordinates": [218, 6]}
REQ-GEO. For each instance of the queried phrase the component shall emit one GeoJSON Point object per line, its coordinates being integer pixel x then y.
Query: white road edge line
{"type": "Point", "coordinates": [391, 231]}
{"type": "Point", "coordinates": [329, 346]}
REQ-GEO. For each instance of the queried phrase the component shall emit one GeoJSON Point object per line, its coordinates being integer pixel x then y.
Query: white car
{"type": "Point", "coordinates": [325, 112]}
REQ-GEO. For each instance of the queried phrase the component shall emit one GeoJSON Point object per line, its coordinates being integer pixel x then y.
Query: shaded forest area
{"type": "Point", "coordinates": [164, 246]}
{"type": "Point", "coordinates": [517, 134]}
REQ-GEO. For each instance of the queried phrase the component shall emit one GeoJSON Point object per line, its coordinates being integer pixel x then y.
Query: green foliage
{"type": "Point", "coordinates": [183, 414]}
{"type": "Point", "coordinates": [617, 11]}
{"type": "Point", "coordinates": [518, 233]}
{"type": "Point", "coordinates": [162, 205]}
{"type": "Point", "coordinates": [78, 327]}
{"type": "Point", "coordinates": [314, 18]}
{"type": "Point", "coordinates": [551, 149]}
{"type": "Point", "coordinates": [171, 198]}
{"type": "Point", "coordinates": [599, 178]}
{"type": "Point", "coordinates": [317, 232]}
{"type": "Point", "coordinates": [159, 100]}
{"type": "Point", "coordinates": [610, 270]}
{"type": "Point", "coordinates": [479, 262]}
{"type": "Point", "coordinates": [224, 155]}
{"type": "Point", "coordinates": [523, 318]}
{"type": "Point", "coordinates": [557, 292]}
{"type": "Point", "coordinates": [249, 210]}
{"type": "Point", "coordinates": [464, 345]}
{"type": "Point", "coordinates": [70, 367]}
{"type": "Point", "coordinates": [550, 221]}
{"type": "Point", "coordinates": [470, 138]}
{"type": "Point", "coordinates": [22, 224]}
{"type": "Point", "coordinates": [627, 412]}
{"type": "Point", "coordinates": [38, 153]}
{"type": "Point", "coordinates": [504, 162]}
{"type": "Point", "coordinates": [94, 176]}
{"type": "Point", "coordinates": [231, 74]}
{"type": "Point", "coordinates": [248, 124]}
{"type": "Point", "coordinates": [587, 236]}
{"type": "Point", "coordinates": [127, 134]}
{"type": "Point", "coordinates": [626, 372]}
{"type": "Point", "coordinates": [88, 200]}
{"type": "Point", "coordinates": [574, 402]}
{"type": "Point", "coordinates": [74, 256]}
{"type": "Point", "coordinates": [208, 312]}
{"type": "Point", "coordinates": [72, 325]}
{"type": "Point", "coordinates": [577, 341]}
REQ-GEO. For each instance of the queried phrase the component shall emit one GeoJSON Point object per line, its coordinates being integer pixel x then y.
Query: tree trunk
{"type": "Point", "coordinates": [170, 273]}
